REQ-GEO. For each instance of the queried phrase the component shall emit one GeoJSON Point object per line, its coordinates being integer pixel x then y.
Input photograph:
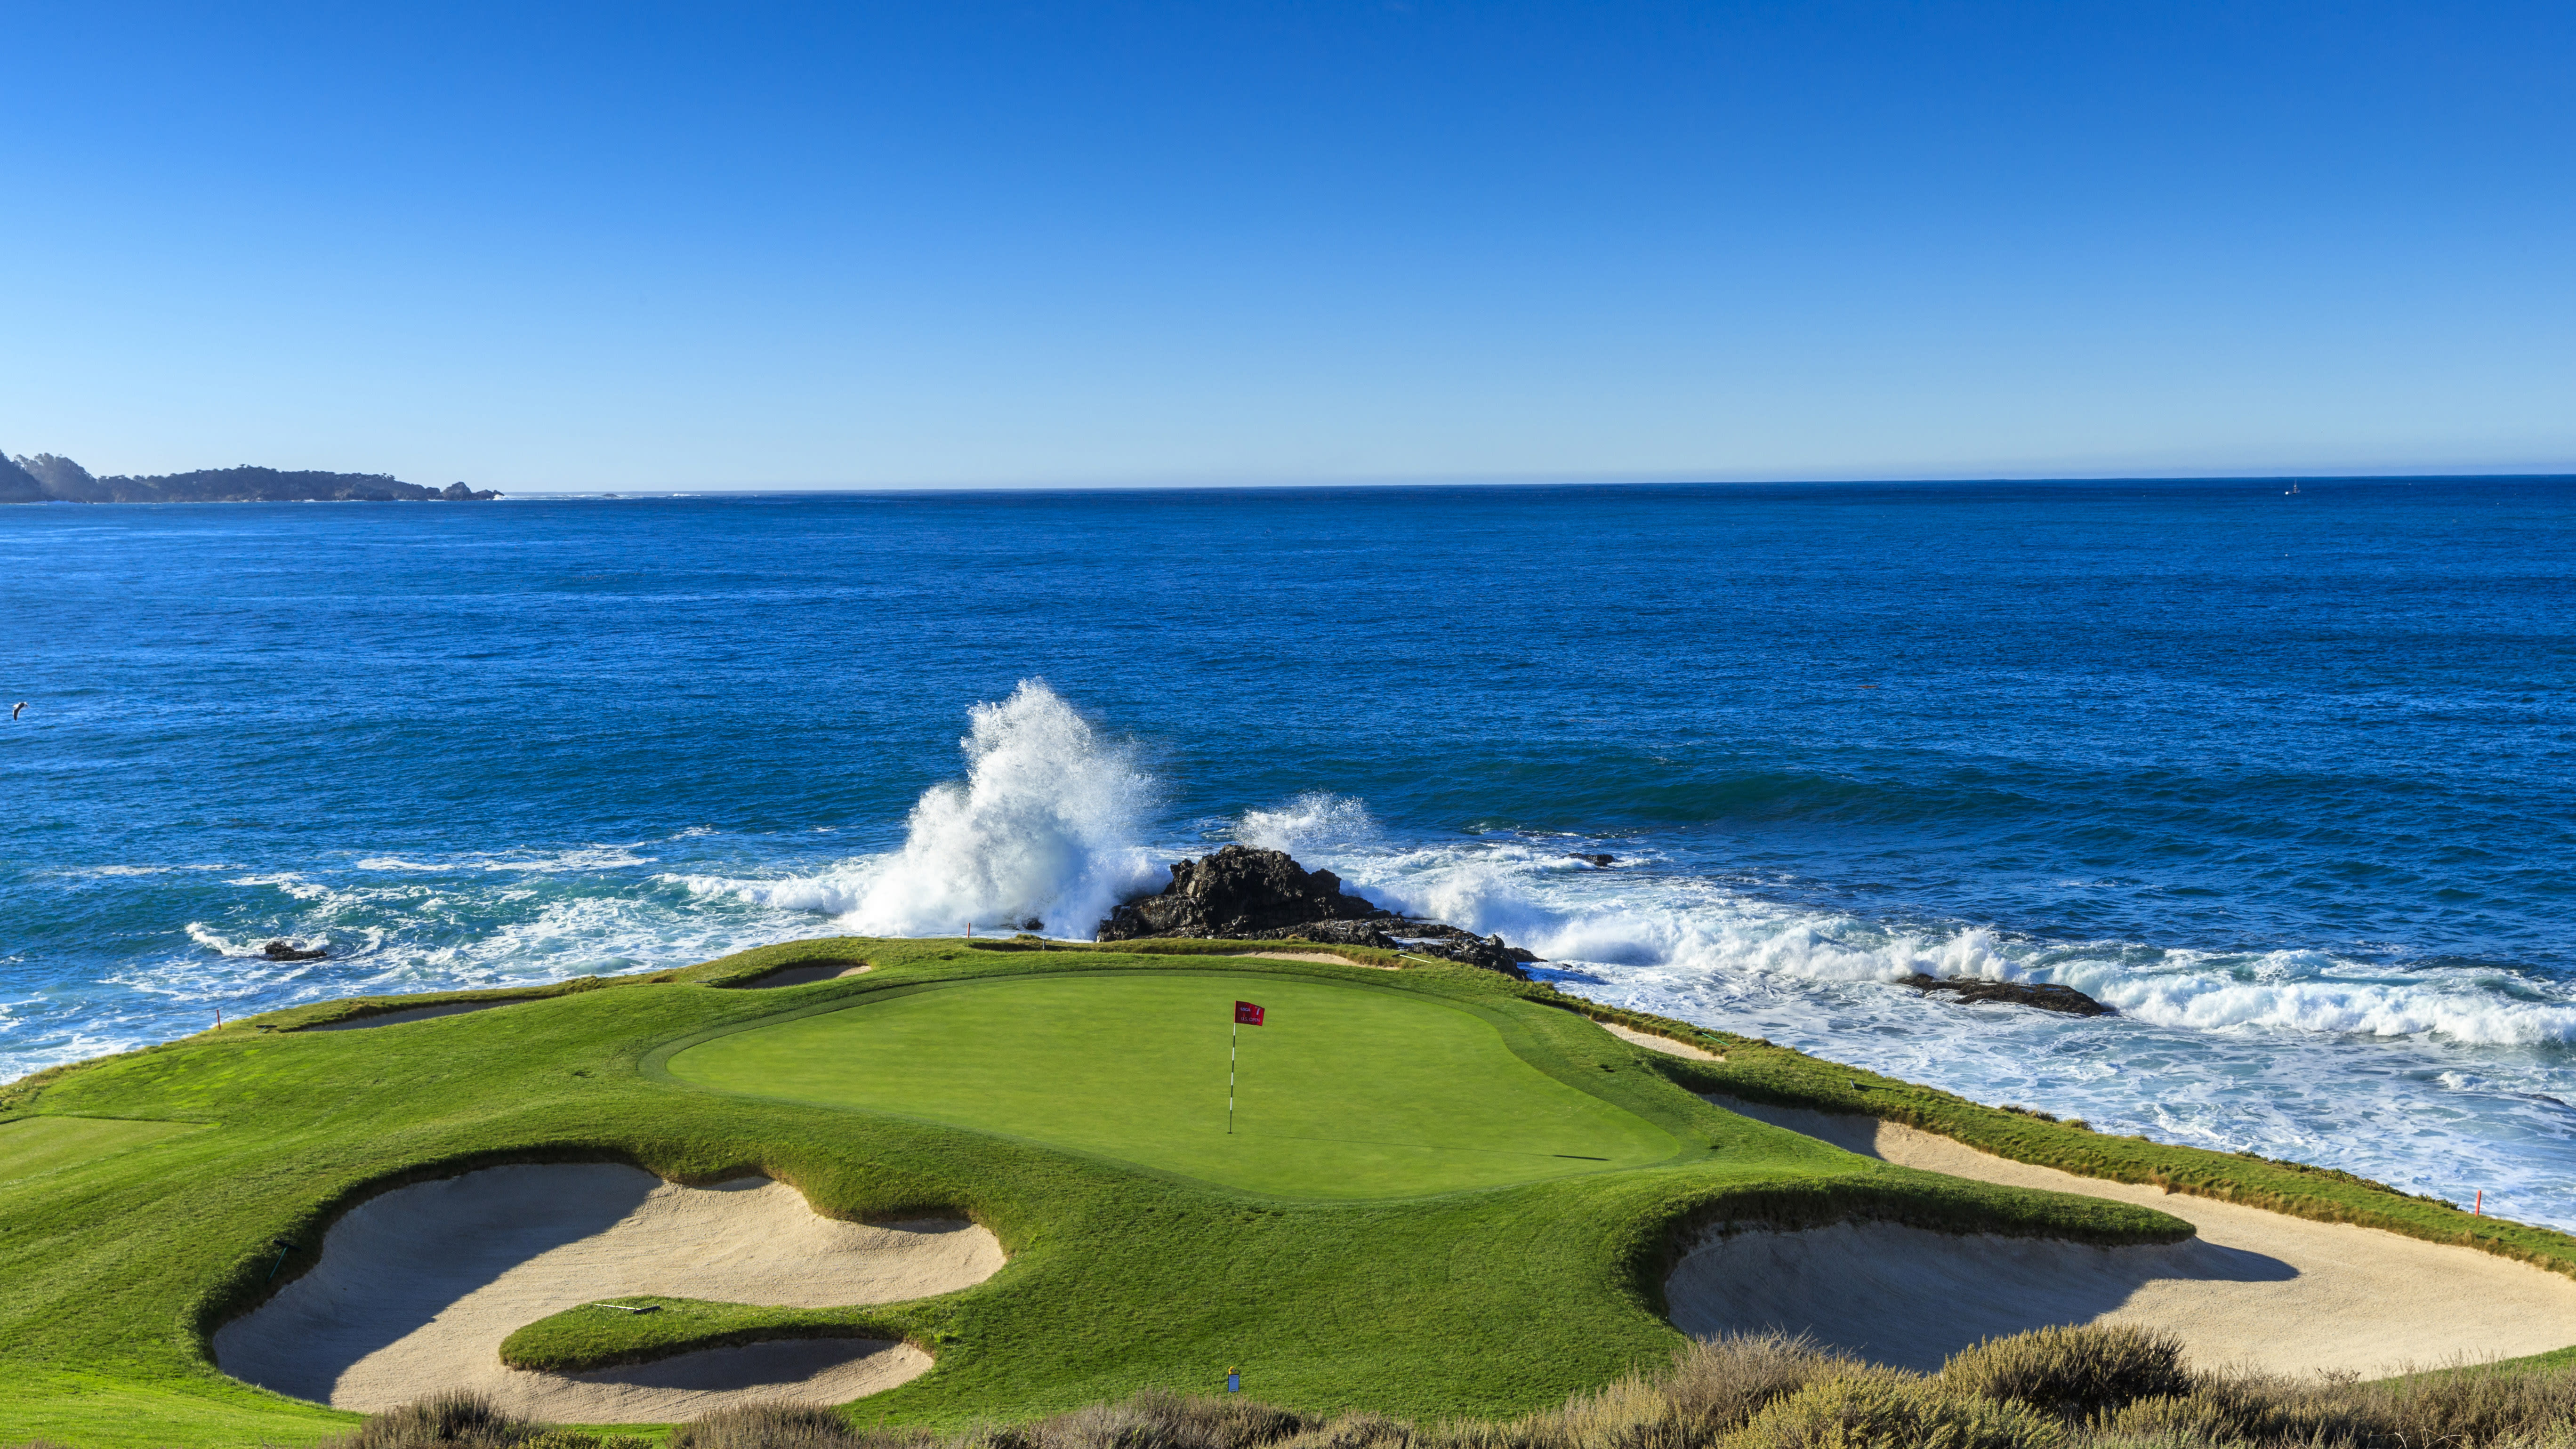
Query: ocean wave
{"type": "Point", "coordinates": [1045, 827]}
{"type": "Point", "coordinates": [1568, 912]}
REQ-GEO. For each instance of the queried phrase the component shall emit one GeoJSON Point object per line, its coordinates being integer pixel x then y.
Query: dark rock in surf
{"type": "Point", "coordinates": [1604, 861]}
{"type": "Point", "coordinates": [287, 951]}
{"type": "Point", "coordinates": [1243, 894]}
{"type": "Point", "coordinates": [1239, 894]}
{"type": "Point", "coordinates": [2015, 993]}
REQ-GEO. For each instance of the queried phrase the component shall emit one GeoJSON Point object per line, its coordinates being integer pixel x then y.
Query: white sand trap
{"type": "Point", "coordinates": [1326, 956]}
{"type": "Point", "coordinates": [801, 975]}
{"type": "Point", "coordinates": [416, 1013]}
{"type": "Point", "coordinates": [2255, 1289]}
{"type": "Point", "coordinates": [417, 1287]}
{"type": "Point", "coordinates": [1653, 1043]}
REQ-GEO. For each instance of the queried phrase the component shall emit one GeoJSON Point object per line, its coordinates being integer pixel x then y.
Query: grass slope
{"type": "Point", "coordinates": [1124, 1274]}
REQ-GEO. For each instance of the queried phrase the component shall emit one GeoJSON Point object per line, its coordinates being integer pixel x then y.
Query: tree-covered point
{"type": "Point", "coordinates": [45, 478]}
{"type": "Point", "coordinates": [1132, 1265]}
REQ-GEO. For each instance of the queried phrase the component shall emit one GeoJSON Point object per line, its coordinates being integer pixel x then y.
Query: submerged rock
{"type": "Point", "coordinates": [2017, 993]}
{"type": "Point", "coordinates": [1243, 894]}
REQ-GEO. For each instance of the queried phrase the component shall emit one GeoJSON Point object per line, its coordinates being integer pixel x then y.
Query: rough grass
{"type": "Point", "coordinates": [2078, 1388]}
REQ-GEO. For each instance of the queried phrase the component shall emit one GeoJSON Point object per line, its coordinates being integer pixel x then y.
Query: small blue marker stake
{"type": "Point", "coordinates": [1233, 1382]}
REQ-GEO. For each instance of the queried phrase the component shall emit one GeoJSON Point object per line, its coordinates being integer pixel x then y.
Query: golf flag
{"type": "Point", "coordinates": [1246, 1014]}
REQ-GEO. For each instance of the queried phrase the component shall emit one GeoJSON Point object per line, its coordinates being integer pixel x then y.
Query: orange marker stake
{"type": "Point", "coordinates": [2481, 1209]}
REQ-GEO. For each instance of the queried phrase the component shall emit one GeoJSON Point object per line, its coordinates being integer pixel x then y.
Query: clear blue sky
{"type": "Point", "coordinates": [642, 246]}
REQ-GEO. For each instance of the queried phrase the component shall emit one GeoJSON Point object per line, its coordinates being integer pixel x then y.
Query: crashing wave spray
{"type": "Point", "coordinates": [1044, 828]}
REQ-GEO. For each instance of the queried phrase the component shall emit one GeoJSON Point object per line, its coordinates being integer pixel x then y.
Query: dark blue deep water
{"type": "Point", "coordinates": [2285, 778]}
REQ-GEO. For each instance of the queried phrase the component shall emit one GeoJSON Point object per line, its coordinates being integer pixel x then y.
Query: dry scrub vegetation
{"type": "Point", "coordinates": [2094, 1387]}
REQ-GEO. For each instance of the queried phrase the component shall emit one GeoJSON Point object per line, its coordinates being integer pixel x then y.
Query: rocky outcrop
{"type": "Point", "coordinates": [1238, 894]}
{"type": "Point", "coordinates": [1243, 894]}
{"type": "Point", "coordinates": [2016, 993]}
{"type": "Point", "coordinates": [289, 951]}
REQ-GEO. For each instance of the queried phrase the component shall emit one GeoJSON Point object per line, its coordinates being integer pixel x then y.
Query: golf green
{"type": "Point", "coordinates": [1345, 1091]}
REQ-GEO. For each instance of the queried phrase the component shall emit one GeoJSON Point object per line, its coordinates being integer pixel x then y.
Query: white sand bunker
{"type": "Point", "coordinates": [1325, 956]}
{"type": "Point", "coordinates": [1654, 1043]}
{"type": "Point", "coordinates": [416, 1289]}
{"type": "Point", "coordinates": [2255, 1289]}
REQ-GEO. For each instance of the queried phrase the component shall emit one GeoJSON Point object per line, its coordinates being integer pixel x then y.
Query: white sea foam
{"type": "Point", "coordinates": [1044, 827]}
{"type": "Point", "coordinates": [1312, 821]}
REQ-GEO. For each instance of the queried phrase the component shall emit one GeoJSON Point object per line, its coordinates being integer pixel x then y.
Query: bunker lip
{"type": "Point", "coordinates": [417, 1286]}
{"type": "Point", "coordinates": [803, 973]}
{"type": "Point", "coordinates": [1326, 957]}
{"type": "Point", "coordinates": [2254, 1288]}
{"type": "Point", "coordinates": [1653, 1043]}
{"type": "Point", "coordinates": [400, 1015]}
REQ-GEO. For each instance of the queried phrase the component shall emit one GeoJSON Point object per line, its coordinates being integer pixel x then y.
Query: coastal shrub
{"type": "Point", "coordinates": [1157, 1419]}
{"type": "Point", "coordinates": [2178, 1420]}
{"type": "Point", "coordinates": [2076, 1371]}
{"type": "Point", "coordinates": [775, 1425]}
{"type": "Point", "coordinates": [2477, 1404]}
{"type": "Point", "coordinates": [1878, 1409]}
{"type": "Point", "coordinates": [1354, 1431]}
{"type": "Point", "coordinates": [462, 1420]}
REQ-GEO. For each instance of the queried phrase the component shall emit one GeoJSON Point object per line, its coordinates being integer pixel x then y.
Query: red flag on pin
{"type": "Point", "coordinates": [1246, 1014]}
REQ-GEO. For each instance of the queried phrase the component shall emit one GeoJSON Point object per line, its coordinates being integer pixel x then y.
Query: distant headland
{"type": "Point", "coordinates": [45, 478]}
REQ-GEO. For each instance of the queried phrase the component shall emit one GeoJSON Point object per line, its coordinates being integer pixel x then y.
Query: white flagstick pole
{"type": "Point", "coordinates": [1234, 1044]}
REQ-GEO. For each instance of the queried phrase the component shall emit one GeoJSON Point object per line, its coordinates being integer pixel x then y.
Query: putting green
{"type": "Point", "coordinates": [1346, 1091]}
{"type": "Point", "coordinates": [32, 1145]}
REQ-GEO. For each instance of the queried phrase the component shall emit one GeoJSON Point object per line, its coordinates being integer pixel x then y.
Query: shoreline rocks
{"type": "Point", "coordinates": [1244, 894]}
{"type": "Point", "coordinates": [1975, 992]}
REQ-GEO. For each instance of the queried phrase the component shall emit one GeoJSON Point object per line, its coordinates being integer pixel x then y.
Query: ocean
{"type": "Point", "coordinates": [2283, 777]}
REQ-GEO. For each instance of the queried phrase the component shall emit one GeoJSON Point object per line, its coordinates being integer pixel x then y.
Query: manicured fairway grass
{"type": "Point", "coordinates": [1345, 1092]}
{"type": "Point", "coordinates": [41, 1144]}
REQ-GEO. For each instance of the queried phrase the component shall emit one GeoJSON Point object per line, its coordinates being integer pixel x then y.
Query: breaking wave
{"type": "Point", "coordinates": [1646, 914]}
{"type": "Point", "coordinates": [1044, 828]}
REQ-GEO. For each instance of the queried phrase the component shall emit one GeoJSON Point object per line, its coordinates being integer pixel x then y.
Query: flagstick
{"type": "Point", "coordinates": [1234, 1044]}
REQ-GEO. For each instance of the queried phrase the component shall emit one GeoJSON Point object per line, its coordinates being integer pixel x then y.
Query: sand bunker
{"type": "Point", "coordinates": [416, 1013]}
{"type": "Point", "coordinates": [1653, 1043]}
{"type": "Point", "coordinates": [1325, 956]}
{"type": "Point", "coordinates": [416, 1289]}
{"type": "Point", "coordinates": [805, 975]}
{"type": "Point", "coordinates": [2254, 1289]}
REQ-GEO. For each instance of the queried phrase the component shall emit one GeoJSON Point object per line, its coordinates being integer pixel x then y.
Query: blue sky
{"type": "Point", "coordinates": [955, 244]}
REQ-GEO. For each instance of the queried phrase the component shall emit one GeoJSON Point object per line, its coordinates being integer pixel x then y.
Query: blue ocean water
{"type": "Point", "coordinates": [2284, 777]}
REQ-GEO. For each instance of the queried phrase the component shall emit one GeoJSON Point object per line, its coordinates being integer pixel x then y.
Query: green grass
{"type": "Point", "coordinates": [595, 1335]}
{"type": "Point", "coordinates": [1345, 1092]}
{"type": "Point", "coordinates": [32, 1145]}
{"type": "Point", "coordinates": [1136, 1260]}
